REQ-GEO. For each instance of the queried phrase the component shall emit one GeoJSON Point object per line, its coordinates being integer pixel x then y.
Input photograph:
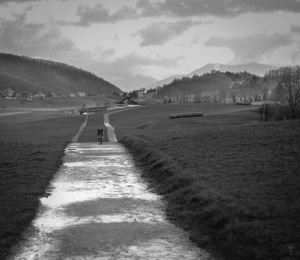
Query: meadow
{"type": "Point", "coordinates": [31, 150]}
{"type": "Point", "coordinates": [230, 180]}
{"type": "Point", "coordinates": [55, 103]}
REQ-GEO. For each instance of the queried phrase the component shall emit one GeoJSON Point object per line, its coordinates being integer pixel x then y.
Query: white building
{"type": "Point", "coordinates": [81, 94]}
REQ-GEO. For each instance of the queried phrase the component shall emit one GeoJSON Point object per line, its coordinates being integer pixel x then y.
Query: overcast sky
{"type": "Point", "coordinates": [133, 42]}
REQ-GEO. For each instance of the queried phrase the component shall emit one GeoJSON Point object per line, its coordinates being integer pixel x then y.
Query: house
{"type": "Point", "coordinates": [40, 94]}
{"type": "Point", "coordinates": [139, 93]}
{"type": "Point", "coordinates": [127, 100]}
{"type": "Point", "coordinates": [53, 94]}
{"type": "Point", "coordinates": [81, 94]}
{"type": "Point", "coordinates": [9, 93]}
{"type": "Point", "coordinates": [27, 95]}
{"type": "Point", "coordinates": [150, 97]}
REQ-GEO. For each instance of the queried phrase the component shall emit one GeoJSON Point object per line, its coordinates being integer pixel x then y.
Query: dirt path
{"type": "Point", "coordinates": [14, 113]}
{"type": "Point", "coordinates": [100, 208]}
{"type": "Point", "coordinates": [75, 138]}
{"type": "Point", "coordinates": [111, 136]}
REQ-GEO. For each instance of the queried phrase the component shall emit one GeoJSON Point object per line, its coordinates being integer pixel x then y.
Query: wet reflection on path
{"type": "Point", "coordinates": [100, 208]}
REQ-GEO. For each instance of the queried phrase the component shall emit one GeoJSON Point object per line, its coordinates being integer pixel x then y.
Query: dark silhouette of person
{"type": "Point", "coordinates": [100, 136]}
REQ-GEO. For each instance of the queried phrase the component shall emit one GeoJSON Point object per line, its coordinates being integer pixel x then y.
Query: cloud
{"type": "Point", "coordinates": [129, 64]}
{"type": "Point", "coordinates": [24, 1]}
{"type": "Point", "coordinates": [295, 29]}
{"type": "Point", "coordinates": [46, 41]}
{"type": "Point", "coordinates": [295, 56]}
{"type": "Point", "coordinates": [160, 33]}
{"type": "Point", "coordinates": [16, 1]}
{"type": "Point", "coordinates": [125, 71]}
{"type": "Point", "coordinates": [179, 8]}
{"type": "Point", "coordinates": [17, 36]}
{"type": "Point", "coordinates": [133, 82]}
{"type": "Point", "coordinates": [253, 47]}
{"type": "Point", "coordinates": [98, 14]}
{"type": "Point", "coordinates": [21, 1]}
{"type": "Point", "coordinates": [220, 8]}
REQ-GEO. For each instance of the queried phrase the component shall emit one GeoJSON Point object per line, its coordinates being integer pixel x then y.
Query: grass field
{"type": "Point", "coordinates": [231, 181]}
{"type": "Point", "coordinates": [31, 149]}
{"type": "Point", "coordinates": [60, 102]}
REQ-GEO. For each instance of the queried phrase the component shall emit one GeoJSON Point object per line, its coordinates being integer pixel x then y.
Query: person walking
{"type": "Point", "coordinates": [100, 136]}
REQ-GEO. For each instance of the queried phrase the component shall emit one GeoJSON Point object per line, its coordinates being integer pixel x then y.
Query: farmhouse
{"type": "Point", "coordinates": [8, 93]}
{"type": "Point", "coordinates": [80, 94]}
{"type": "Point", "coordinates": [139, 93]}
{"type": "Point", "coordinates": [127, 100]}
{"type": "Point", "coordinates": [40, 94]}
{"type": "Point", "coordinates": [27, 95]}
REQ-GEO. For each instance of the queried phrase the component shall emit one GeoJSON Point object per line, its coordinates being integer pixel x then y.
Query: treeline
{"type": "Point", "coordinates": [287, 91]}
{"type": "Point", "coordinates": [53, 76]}
{"type": "Point", "coordinates": [225, 87]}
{"type": "Point", "coordinates": [278, 73]}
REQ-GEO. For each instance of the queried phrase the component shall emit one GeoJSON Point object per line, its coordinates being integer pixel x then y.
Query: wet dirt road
{"type": "Point", "coordinates": [100, 208]}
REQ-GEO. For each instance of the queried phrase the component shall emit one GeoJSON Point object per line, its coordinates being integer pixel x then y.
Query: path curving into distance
{"type": "Point", "coordinates": [76, 137]}
{"type": "Point", "coordinates": [100, 208]}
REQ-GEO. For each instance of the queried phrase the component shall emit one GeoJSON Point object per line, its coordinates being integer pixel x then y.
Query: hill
{"type": "Point", "coordinates": [9, 81]}
{"type": "Point", "coordinates": [164, 81]}
{"type": "Point", "coordinates": [252, 68]}
{"type": "Point", "coordinates": [218, 86]}
{"type": "Point", "coordinates": [28, 74]}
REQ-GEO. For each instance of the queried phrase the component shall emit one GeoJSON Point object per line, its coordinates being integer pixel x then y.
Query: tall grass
{"type": "Point", "coordinates": [230, 181]}
{"type": "Point", "coordinates": [27, 169]}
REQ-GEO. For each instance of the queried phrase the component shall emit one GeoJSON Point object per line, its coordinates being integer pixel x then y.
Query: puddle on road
{"type": "Point", "coordinates": [100, 208]}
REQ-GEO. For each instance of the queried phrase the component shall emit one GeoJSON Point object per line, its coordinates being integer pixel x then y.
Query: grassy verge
{"type": "Point", "coordinates": [233, 183]}
{"type": "Point", "coordinates": [31, 149]}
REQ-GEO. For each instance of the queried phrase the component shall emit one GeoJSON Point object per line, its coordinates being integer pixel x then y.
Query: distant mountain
{"type": "Point", "coordinates": [133, 82]}
{"type": "Point", "coordinates": [252, 68]}
{"type": "Point", "coordinates": [164, 81]}
{"type": "Point", "coordinates": [27, 74]}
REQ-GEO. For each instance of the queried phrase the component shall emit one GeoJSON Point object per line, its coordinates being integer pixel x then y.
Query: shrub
{"type": "Point", "coordinates": [274, 112]}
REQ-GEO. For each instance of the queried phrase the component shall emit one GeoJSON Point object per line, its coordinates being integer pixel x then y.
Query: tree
{"type": "Point", "coordinates": [288, 89]}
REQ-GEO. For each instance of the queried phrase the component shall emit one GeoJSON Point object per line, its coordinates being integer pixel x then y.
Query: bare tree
{"type": "Point", "coordinates": [288, 90]}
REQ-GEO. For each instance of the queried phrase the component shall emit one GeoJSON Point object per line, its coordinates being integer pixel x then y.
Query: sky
{"type": "Point", "coordinates": [133, 43]}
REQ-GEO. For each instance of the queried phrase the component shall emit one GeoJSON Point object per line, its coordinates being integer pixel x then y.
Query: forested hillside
{"type": "Point", "coordinates": [257, 69]}
{"type": "Point", "coordinates": [219, 86]}
{"type": "Point", "coordinates": [27, 74]}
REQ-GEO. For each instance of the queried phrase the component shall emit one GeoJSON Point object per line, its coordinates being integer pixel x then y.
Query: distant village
{"type": "Point", "coordinates": [11, 94]}
{"type": "Point", "coordinates": [233, 95]}
{"type": "Point", "coordinates": [143, 96]}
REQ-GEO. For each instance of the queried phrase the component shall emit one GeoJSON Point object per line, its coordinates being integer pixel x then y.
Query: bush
{"type": "Point", "coordinates": [274, 112]}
